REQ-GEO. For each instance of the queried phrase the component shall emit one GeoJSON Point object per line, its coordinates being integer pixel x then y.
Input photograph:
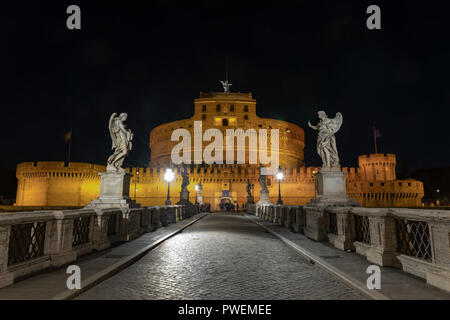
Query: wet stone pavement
{"type": "Point", "coordinates": [222, 256]}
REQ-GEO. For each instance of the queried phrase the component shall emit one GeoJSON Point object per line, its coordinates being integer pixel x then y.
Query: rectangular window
{"type": "Point", "coordinates": [218, 108]}
{"type": "Point", "coordinates": [204, 108]}
{"type": "Point", "coordinates": [246, 108]}
{"type": "Point", "coordinates": [204, 116]}
{"type": "Point", "coordinates": [232, 108]}
{"type": "Point", "coordinates": [246, 117]}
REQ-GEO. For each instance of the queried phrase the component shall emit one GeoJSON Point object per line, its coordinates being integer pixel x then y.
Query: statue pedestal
{"type": "Point", "coordinates": [114, 191]}
{"type": "Point", "coordinates": [184, 197]}
{"type": "Point", "coordinates": [331, 190]}
{"type": "Point", "coordinates": [264, 197]}
{"type": "Point", "coordinates": [250, 200]}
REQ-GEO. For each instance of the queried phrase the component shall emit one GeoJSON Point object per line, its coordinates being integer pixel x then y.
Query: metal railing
{"type": "Point", "coordinates": [362, 229]}
{"type": "Point", "coordinates": [332, 223]}
{"type": "Point", "coordinates": [26, 241]}
{"type": "Point", "coordinates": [81, 228]}
{"type": "Point", "coordinates": [413, 238]}
{"type": "Point", "coordinates": [112, 224]}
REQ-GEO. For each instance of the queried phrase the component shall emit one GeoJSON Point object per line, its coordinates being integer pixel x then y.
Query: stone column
{"type": "Point", "coordinates": [6, 278]}
{"type": "Point", "coordinates": [345, 227]}
{"type": "Point", "coordinates": [60, 242]}
{"type": "Point", "coordinates": [290, 218]}
{"type": "Point", "coordinates": [439, 274]}
{"type": "Point", "coordinates": [316, 224]}
{"type": "Point", "coordinates": [124, 226]}
{"type": "Point", "coordinates": [100, 239]}
{"type": "Point", "coordinates": [146, 220]}
{"type": "Point", "coordinates": [383, 240]}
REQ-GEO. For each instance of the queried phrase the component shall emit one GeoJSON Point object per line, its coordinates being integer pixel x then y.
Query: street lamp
{"type": "Point", "coordinates": [196, 191]}
{"type": "Point", "coordinates": [136, 180]}
{"type": "Point", "coordinates": [279, 178]}
{"type": "Point", "coordinates": [168, 176]}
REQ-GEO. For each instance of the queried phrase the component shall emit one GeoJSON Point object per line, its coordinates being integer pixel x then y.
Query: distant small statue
{"type": "Point", "coordinates": [185, 176]}
{"type": "Point", "coordinates": [121, 142]}
{"type": "Point", "coordinates": [249, 188]}
{"type": "Point", "coordinates": [226, 86]}
{"type": "Point", "coordinates": [263, 183]}
{"type": "Point", "coordinates": [326, 142]}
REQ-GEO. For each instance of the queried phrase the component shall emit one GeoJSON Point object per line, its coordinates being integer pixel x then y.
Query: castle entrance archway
{"type": "Point", "coordinates": [226, 204]}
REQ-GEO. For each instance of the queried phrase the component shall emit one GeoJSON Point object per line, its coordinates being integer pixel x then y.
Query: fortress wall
{"type": "Point", "coordinates": [54, 184]}
{"type": "Point", "coordinates": [398, 193]}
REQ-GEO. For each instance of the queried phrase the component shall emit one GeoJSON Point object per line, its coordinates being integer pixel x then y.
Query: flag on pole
{"type": "Point", "coordinates": [68, 140]}
{"type": "Point", "coordinates": [68, 136]}
{"type": "Point", "coordinates": [377, 133]}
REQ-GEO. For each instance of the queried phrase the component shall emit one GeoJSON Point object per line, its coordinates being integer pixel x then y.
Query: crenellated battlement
{"type": "Point", "coordinates": [59, 169]}
{"type": "Point", "coordinates": [224, 171]}
{"type": "Point", "coordinates": [377, 167]}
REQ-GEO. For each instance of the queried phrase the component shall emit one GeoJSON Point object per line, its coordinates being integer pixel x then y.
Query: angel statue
{"type": "Point", "coordinates": [263, 182]}
{"type": "Point", "coordinates": [326, 142]}
{"type": "Point", "coordinates": [185, 176]}
{"type": "Point", "coordinates": [249, 188]}
{"type": "Point", "coordinates": [121, 142]}
{"type": "Point", "coordinates": [226, 86]}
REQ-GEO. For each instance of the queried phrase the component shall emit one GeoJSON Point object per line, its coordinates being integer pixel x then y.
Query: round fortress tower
{"type": "Point", "coordinates": [224, 111]}
{"type": "Point", "coordinates": [377, 167]}
{"type": "Point", "coordinates": [50, 183]}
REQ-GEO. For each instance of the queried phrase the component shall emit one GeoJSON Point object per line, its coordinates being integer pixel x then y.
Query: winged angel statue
{"type": "Point", "coordinates": [326, 142]}
{"type": "Point", "coordinates": [121, 142]}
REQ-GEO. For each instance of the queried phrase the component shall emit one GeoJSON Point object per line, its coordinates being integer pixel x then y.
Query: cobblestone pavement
{"type": "Point", "coordinates": [222, 256]}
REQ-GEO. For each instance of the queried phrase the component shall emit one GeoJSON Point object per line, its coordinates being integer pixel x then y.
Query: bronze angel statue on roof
{"type": "Point", "coordinates": [326, 142]}
{"type": "Point", "coordinates": [121, 142]}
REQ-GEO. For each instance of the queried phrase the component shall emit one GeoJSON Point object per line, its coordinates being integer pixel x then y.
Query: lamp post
{"type": "Point", "coordinates": [196, 192]}
{"type": "Point", "coordinates": [279, 178]}
{"type": "Point", "coordinates": [136, 180]}
{"type": "Point", "coordinates": [168, 176]}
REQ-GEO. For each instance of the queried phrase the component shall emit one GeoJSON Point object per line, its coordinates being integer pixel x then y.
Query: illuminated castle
{"type": "Point", "coordinates": [372, 184]}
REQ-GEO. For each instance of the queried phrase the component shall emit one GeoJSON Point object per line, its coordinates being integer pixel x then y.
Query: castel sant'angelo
{"type": "Point", "coordinates": [373, 183]}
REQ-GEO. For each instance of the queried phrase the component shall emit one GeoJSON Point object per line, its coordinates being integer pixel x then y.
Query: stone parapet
{"type": "Point", "coordinates": [414, 240]}
{"type": "Point", "coordinates": [34, 241]}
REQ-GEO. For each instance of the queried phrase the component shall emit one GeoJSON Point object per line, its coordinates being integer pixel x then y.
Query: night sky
{"type": "Point", "coordinates": [152, 58]}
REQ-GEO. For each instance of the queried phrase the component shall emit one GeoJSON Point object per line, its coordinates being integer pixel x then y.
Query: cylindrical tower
{"type": "Point", "coordinates": [56, 184]}
{"type": "Point", "coordinates": [224, 111]}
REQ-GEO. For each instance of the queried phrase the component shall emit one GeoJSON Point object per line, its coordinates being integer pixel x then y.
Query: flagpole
{"type": "Point", "coordinates": [70, 146]}
{"type": "Point", "coordinates": [375, 140]}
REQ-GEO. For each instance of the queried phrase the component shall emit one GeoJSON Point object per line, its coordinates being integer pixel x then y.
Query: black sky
{"type": "Point", "coordinates": [151, 59]}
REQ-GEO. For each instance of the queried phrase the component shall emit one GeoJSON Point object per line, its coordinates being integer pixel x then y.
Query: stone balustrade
{"type": "Point", "coordinates": [414, 240]}
{"type": "Point", "coordinates": [34, 241]}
